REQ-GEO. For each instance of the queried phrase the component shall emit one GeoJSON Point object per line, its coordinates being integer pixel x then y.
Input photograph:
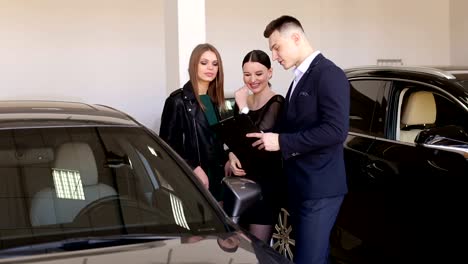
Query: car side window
{"type": "Point", "coordinates": [365, 100]}
{"type": "Point", "coordinates": [422, 107]}
{"type": "Point", "coordinates": [445, 113]}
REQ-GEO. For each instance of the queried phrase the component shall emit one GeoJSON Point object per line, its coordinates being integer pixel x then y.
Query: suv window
{"type": "Point", "coordinates": [94, 181]}
{"type": "Point", "coordinates": [449, 113]}
{"type": "Point", "coordinates": [422, 107]}
{"type": "Point", "coordinates": [365, 102]}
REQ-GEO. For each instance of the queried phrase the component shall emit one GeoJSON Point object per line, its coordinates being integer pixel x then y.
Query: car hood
{"type": "Point", "coordinates": [225, 248]}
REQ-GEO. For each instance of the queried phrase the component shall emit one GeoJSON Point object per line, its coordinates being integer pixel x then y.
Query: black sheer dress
{"type": "Point", "coordinates": [267, 171]}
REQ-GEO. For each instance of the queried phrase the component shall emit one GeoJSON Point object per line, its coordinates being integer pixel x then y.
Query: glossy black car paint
{"type": "Point", "coordinates": [406, 201]}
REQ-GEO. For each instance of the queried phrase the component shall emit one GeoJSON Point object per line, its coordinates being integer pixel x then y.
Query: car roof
{"type": "Point", "coordinates": [41, 113]}
{"type": "Point", "coordinates": [444, 72]}
{"type": "Point", "coordinates": [460, 72]}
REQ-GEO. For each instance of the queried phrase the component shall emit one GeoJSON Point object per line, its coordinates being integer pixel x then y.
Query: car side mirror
{"type": "Point", "coordinates": [446, 136]}
{"type": "Point", "coordinates": [240, 194]}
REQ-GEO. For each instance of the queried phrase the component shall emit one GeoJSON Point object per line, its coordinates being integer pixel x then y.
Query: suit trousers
{"type": "Point", "coordinates": [313, 221]}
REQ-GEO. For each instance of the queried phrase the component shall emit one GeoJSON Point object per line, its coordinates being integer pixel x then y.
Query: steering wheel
{"type": "Point", "coordinates": [100, 206]}
{"type": "Point", "coordinates": [114, 209]}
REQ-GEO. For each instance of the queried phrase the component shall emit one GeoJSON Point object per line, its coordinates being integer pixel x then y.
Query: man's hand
{"type": "Point", "coordinates": [201, 175]}
{"type": "Point", "coordinates": [267, 141]}
{"type": "Point", "coordinates": [235, 165]}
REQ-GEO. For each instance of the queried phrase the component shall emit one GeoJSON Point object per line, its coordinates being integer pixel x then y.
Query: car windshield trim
{"type": "Point", "coordinates": [65, 117]}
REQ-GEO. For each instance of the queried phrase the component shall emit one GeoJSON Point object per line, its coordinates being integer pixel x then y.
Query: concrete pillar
{"type": "Point", "coordinates": [185, 27]}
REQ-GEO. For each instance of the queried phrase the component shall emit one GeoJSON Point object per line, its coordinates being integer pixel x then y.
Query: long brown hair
{"type": "Point", "coordinates": [216, 87]}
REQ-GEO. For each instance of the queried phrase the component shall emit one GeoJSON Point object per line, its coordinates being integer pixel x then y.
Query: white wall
{"type": "Point", "coordinates": [459, 32]}
{"type": "Point", "coordinates": [361, 31]}
{"type": "Point", "coordinates": [350, 32]}
{"type": "Point", "coordinates": [95, 51]}
{"type": "Point", "coordinates": [113, 51]}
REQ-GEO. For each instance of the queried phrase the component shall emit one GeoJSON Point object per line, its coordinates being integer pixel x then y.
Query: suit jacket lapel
{"type": "Point", "coordinates": [301, 82]}
{"type": "Point", "coordinates": [288, 94]}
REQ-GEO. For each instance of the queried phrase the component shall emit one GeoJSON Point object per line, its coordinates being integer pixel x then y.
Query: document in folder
{"type": "Point", "coordinates": [232, 132]}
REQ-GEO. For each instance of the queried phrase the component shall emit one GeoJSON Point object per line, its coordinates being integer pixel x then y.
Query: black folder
{"type": "Point", "coordinates": [232, 132]}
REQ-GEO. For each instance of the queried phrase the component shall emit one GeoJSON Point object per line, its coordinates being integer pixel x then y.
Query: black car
{"type": "Point", "coordinates": [84, 183]}
{"type": "Point", "coordinates": [407, 164]}
{"type": "Point", "coordinates": [406, 158]}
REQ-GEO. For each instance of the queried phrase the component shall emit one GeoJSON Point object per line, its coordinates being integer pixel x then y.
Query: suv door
{"type": "Point", "coordinates": [419, 189]}
{"type": "Point", "coordinates": [359, 209]}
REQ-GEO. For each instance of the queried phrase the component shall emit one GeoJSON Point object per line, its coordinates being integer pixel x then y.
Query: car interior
{"type": "Point", "coordinates": [71, 181]}
{"type": "Point", "coordinates": [76, 185]}
{"type": "Point", "coordinates": [417, 112]}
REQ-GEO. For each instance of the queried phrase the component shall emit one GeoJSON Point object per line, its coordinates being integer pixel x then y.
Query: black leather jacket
{"type": "Point", "coordinates": [185, 128]}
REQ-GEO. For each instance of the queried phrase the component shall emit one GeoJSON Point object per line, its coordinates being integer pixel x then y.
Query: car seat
{"type": "Point", "coordinates": [418, 111]}
{"type": "Point", "coordinates": [76, 185]}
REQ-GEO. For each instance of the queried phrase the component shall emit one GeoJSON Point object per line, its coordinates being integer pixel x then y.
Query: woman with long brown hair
{"type": "Point", "coordinates": [190, 111]}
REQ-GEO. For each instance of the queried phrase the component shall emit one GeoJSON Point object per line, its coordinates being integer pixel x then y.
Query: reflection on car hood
{"type": "Point", "coordinates": [225, 248]}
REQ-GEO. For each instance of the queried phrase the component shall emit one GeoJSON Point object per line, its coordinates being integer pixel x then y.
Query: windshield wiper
{"type": "Point", "coordinates": [73, 244]}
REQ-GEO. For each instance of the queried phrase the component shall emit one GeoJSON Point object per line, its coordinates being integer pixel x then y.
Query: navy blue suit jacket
{"type": "Point", "coordinates": [312, 130]}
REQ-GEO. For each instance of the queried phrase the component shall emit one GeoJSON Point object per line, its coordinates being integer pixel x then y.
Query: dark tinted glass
{"type": "Point", "coordinates": [58, 183]}
{"type": "Point", "coordinates": [364, 94]}
{"type": "Point", "coordinates": [379, 122]}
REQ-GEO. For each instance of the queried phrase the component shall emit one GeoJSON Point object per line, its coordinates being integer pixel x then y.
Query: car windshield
{"type": "Point", "coordinates": [58, 183]}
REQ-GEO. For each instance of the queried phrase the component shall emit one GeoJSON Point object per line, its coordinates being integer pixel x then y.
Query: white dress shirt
{"type": "Point", "coordinates": [301, 69]}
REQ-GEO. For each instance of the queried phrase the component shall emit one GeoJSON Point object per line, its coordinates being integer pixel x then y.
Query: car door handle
{"type": "Point", "coordinates": [373, 166]}
{"type": "Point", "coordinates": [434, 165]}
{"type": "Point", "coordinates": [372, 169]}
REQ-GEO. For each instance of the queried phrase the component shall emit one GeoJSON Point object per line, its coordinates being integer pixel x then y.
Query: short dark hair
{"type": "Point", "coordinates": [279, 24]}
{"type": "Point", "coordinates": [258, 56]}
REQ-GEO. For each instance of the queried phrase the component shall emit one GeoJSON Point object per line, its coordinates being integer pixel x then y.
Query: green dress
{"type": "Point", "coordinates": [209, 109]}
{"type": "Point", "coordinates": [215, 174]}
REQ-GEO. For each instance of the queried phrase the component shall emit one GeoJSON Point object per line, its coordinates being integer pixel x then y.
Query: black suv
{"type": "Point", "coordinates": [407, 164]}
{"type": "Point", "coordinates": [406, 158]}
{"type": "Point", "coordinates": [86, 183]}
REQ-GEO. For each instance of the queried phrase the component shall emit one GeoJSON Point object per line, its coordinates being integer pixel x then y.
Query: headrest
{"type": "Point", "coordinates": [419, 109]}
{"type": "Point", "coordinates": [78, 157]}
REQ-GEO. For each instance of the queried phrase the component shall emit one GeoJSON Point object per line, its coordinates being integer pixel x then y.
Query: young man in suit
{"type": "Point", "coordinates": [310, 137]}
